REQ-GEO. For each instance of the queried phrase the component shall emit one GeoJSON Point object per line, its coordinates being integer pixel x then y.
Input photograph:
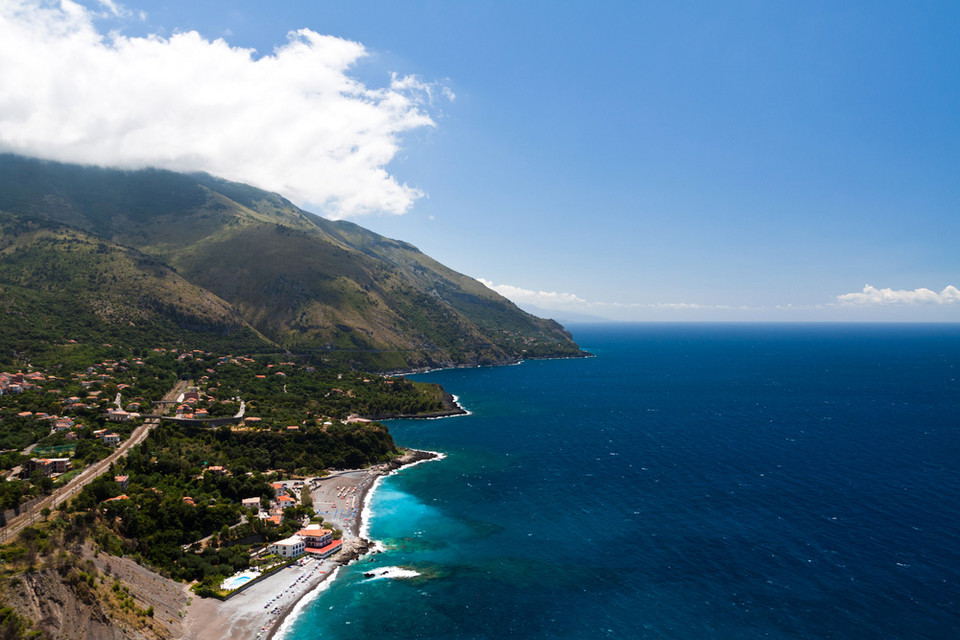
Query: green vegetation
{"type": "Point", "coordinates": [12, 625]}
{"type": "Point", "coordinates": [60, 285]}
{"type": "Point", "coordinates": [285, 394]}
{"type": "Point", "coordinates": [295, 412]}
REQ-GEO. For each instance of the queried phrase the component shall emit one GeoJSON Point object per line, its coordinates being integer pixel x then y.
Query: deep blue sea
{"type": "Point", "coordinates": [690, 481]}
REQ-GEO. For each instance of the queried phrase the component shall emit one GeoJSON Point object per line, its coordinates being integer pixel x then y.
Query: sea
{"type": "Point", "coordinates": [689, 481]}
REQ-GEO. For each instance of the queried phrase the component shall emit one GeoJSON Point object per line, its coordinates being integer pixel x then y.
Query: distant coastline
{"type": "Point", "coordinates": [479, 365]}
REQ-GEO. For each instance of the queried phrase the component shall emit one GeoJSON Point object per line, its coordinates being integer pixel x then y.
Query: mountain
{"type": "Point", "coordinates": [87, 252]}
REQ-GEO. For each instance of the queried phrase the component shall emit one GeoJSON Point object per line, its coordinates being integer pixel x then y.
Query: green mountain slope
{"type": "Point", "coordinates": [331, 289]}
{"type": "Point", "coordinates": [59, 283]}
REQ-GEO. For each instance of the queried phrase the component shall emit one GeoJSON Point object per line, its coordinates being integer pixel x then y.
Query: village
{"type": "Point", "coordinates": [64, 423]}
{"type": "Point", "coordinates": [220, 458]}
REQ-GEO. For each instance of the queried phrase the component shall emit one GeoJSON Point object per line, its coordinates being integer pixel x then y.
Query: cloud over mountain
{"type": "Point", "coordinates": [549, 299]}
{"type": "Point", "coordinates": [293, 121]}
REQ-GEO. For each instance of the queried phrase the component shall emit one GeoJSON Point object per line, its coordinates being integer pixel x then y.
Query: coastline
{"type": "Point", "coordinates": [451, 408]}
{"type": "Point", "coordinates": [264, 610]}
{"type": "Point", "coordinates": [477, 365]}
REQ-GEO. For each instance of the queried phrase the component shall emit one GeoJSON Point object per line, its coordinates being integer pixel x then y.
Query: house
{"type": "Point", "coordinates": [38, 466]}
{"type": "Point", "coordinates": [250, 503]}
{"type": "Point", "coordinates": [189, 501]}
{"type": "Point", "coordinates": [123, 481]}
{"type": "Point", "coordinates": [73, 402]}
{"type": "Point", "coordinates": [319, 541]}
{"type": "Point", "coordinates": [48, 466]}
{"type": "Point", "coordinates": [217, 470]}
{"type": "Point", "coordinates": [315, 535]}
{"type": "Point", "coordinates": [111, 438]}
{"type": "Point", "coordinates": [292, 547]}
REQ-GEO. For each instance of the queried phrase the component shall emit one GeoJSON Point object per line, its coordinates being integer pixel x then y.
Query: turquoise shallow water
{"type": "Point", "coordinates": [721, 481]}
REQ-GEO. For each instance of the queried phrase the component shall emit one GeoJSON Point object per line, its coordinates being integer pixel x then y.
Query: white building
{"type": "Point", "coordinates": [292, 547]}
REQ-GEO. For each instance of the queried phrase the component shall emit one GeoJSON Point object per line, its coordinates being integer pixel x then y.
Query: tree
{"type": "Point", "coordinates": [45, 483]}
{"type": "Point", "coordinates": [305, 498]}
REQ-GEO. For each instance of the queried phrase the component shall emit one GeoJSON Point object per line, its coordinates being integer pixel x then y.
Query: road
{"type": "Point", "coordinates": [85, 477]}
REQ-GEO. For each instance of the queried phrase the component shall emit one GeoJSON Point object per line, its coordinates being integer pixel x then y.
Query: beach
{"type": "Point", "coordinates": [259, 610]}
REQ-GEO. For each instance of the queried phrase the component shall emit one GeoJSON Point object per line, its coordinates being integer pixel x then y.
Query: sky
{"type": "Point", "coordinates": [644, 161]}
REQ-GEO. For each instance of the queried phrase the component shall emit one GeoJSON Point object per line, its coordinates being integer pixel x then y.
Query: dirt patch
{"type": "Point", "coordinates": [86, 595]}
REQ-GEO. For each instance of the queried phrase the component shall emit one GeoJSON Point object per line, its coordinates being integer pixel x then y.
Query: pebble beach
{"type": "Point", "coordinates": [260, 609]}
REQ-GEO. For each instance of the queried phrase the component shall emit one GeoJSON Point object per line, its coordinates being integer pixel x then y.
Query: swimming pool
{"type": "Point", "coordinates": [237, 581]}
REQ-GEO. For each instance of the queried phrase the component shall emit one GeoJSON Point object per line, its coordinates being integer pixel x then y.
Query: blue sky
{"type": "Point", "coordinates": [626, 160]}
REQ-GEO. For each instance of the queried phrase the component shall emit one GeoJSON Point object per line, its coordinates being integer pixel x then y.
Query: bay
{"type": "Point", "coordinates": [690, 481]}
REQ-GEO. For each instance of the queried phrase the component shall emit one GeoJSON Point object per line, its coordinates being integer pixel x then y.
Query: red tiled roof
{"type": "Point", "coordinates": [327, 549]}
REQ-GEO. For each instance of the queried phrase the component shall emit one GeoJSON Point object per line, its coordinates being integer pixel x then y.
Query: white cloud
{"type": "Point", "coordinates": [548, 299]}
{"type": "Point", "coordinates": [293, 121]}
{"type": "Point", "coordinates": [570, 301]}
{"type": "Point", "coordinates": [873, 296]}
{"type": "Point", "coordinates": [684, 306]}
{"type": "Point", "coordinates": [870, 304]}
{"type": "Point", "coordinates": [113, 8]}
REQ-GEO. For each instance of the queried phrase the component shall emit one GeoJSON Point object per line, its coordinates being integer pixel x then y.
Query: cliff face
{"type": "Point", "coordinates": [73, 598]}
{"type": "Point", "coordinates": [58, 609]}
